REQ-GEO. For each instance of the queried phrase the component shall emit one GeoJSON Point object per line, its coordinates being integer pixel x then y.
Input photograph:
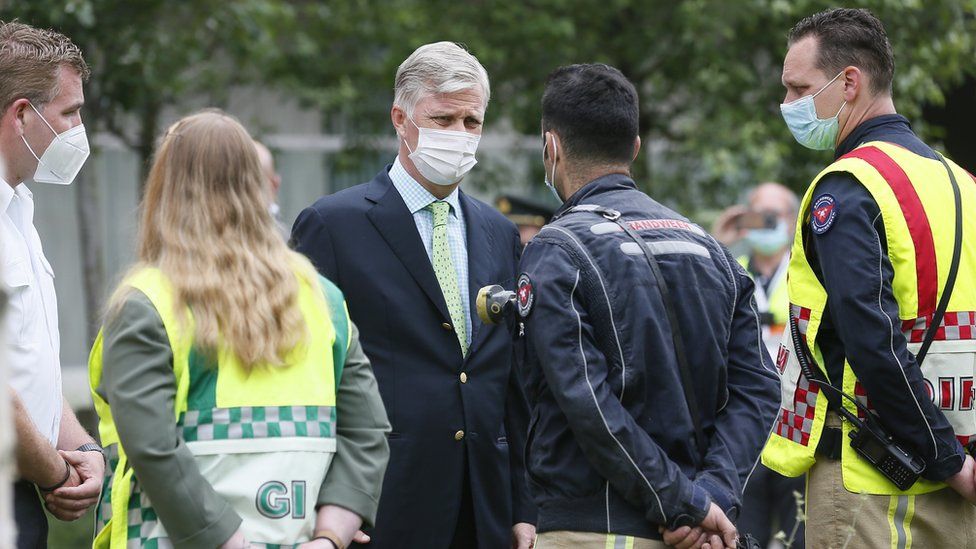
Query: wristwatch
{"type": "Point", "coordinates": [90, 447]}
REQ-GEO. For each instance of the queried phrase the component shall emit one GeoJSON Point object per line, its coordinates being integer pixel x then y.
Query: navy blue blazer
{"type": "Point", "coordinates": [364, 239]}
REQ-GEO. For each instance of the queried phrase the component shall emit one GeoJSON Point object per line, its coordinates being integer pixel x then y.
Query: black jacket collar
{"type": "Point", "coordinates": [878, 128]}
{"type": "Point", "coordinates": [600, 185]}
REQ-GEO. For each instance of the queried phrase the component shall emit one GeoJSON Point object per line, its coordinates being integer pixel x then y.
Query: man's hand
{"type": "Point", "coordinates": [964, 482]}
{"type": "Point", "coordinates": [715, 532]}
{"type": "Point", "coordinates": [523, 536]}
{"type": "Point", "coordinates": [66, 514]}
{"type": "Point", "coordinates": [726, 228]}
{"type": "Point", "coordinates": [70, 501]}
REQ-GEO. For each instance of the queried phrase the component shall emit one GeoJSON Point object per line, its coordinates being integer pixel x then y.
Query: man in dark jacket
{"type": "Point", "coordinates": [409, 250]}
{"type": "Point", "coordinates": [650, 398]}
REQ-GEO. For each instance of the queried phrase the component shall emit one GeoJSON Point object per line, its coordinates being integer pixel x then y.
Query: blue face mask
{"type": "Point", "coordinates": [549, 179]}
{"type": "Point", "coordinates": [767, 242]}
{"type": "Point", "coordinates": [814, 133]}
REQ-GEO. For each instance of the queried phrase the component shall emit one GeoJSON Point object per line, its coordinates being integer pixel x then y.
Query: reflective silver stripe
{"type": "Point", "coordinates": [586, 207]}
{"type": "Point", "coordinates": [899, 520]}
{"type": "Point", "coordinates": [665, 247]}
{"type": "Point", "coordinates": [605, 228]}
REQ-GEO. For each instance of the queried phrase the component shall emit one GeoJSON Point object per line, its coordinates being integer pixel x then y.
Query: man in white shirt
{"type": "Point", "coordinates": [42, 139]}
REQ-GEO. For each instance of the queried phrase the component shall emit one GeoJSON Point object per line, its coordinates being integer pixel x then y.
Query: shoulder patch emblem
{"type": "Point", "coordinates": [824, 213]}
{"type": "Point", "coordinates": [525, 295]}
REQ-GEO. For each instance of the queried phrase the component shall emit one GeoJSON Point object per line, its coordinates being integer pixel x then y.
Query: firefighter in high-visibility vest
{"type": "Point", "coordinates": [871, 260]}
{"type": "Point", "coordinates": [235, 403]}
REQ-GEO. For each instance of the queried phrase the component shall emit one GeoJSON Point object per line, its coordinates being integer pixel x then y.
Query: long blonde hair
{"type": "Point", "coordinates": [206, 225]}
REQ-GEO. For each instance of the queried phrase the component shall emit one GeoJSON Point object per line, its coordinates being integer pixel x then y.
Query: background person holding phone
{"type": "Point", "coordinates": [765, 226]}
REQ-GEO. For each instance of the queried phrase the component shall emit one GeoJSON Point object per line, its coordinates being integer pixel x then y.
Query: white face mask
{"type": "Point", "coordinates": [767, 242]}
{"type": "Point", "coordinates": [443, 157]}
{"type": "Point", "coordinates": [63, 158]}
{"type": "Point", "coordinates": [815, 133]}
{"type": "Point", "coordinates": [551, 179]}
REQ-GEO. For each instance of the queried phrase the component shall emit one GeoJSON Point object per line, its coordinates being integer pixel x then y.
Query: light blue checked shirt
{"type": "Point", "coordinates": [417, 198]}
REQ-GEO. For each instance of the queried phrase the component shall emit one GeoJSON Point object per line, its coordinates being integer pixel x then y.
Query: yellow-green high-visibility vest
{"type": "Point", "coordinates": [263, 437]}
{"type": "Point", "coordinates": [917, 207]}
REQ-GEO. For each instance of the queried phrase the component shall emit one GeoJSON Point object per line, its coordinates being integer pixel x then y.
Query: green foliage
{"type": "Point", "coordinates": [707, 70]}
{"type": "Point", "coordinates": [149, 54]}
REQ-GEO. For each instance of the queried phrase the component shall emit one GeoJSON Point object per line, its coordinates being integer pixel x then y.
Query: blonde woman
{"type": "Point", "coordinates": [235, 402]}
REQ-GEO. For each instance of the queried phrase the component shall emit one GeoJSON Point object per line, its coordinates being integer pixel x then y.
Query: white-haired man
{"type": "Point", "coordinates": [409, 251]}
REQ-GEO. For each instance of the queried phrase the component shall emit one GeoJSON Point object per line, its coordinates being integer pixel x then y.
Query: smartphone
{"type": "Point", "coordinates": [757, 220]}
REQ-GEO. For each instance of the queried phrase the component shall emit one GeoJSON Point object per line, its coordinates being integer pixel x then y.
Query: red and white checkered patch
{"type": "Point", "coordinates": [861, 395]}
{"type": "Point", "coordinates": [796, 424]}
{"type": "Point", "coordinates": [802, 317]}
{"type": "Point", "coordinates": [955, 325]}
{"type": "Point", "coordinates": [795, 421]}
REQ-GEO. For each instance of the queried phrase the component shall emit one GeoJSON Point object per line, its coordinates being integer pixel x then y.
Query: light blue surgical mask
{"type": "Point", "coordinates": [819, 134]}
{"type": "Point", "coordinates": [550, 179]}
{"type": "Point", "coordinates": [767, 242]}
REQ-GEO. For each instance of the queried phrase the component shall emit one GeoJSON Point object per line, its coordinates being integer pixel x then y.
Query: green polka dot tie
{"type": "Point", "coordinates": [446, 274]}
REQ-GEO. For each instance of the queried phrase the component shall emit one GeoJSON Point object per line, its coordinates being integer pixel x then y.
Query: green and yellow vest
{"type": "Point", "coordinates": [264, 438]}
{"type": "Point", "coordinates": [917, 207]}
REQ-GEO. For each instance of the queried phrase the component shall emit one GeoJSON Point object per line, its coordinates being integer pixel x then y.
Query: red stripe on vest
{"type": "Point", "coordinates": [918, 223]}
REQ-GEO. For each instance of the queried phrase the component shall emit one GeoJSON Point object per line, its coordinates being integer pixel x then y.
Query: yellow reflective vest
{"type": "Point", "coordinates": [917, 207]}
{"type": "Point", "coordinates": [264, 437]}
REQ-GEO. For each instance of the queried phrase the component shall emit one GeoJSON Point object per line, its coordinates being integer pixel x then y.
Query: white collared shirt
{"type": "Point", "coordinates": [417, 198]}
{"type": "Point", "coordinates": [30, 327]}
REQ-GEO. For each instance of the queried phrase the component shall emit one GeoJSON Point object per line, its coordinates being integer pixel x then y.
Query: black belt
{"type": "Point", "coordinates": [831, 443]}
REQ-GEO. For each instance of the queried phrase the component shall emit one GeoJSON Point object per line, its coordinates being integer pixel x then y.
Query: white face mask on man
{"type": "Point", "coordinates": [62, 160]}
{"type": "Point", "coordinates": [443, 157]}
{"type": "Point", "coordinates": [550, 180]}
